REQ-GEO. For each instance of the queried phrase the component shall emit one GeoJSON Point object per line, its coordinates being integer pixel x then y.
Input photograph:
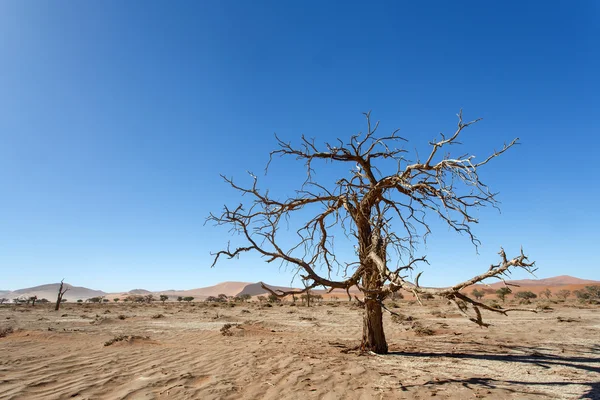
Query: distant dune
{"type": "Point", "coordinates": [49, 292]}
{"type": "Point", "coordinates": [563, 282]}
{"type": "Point", "coordinates": [254, 289]}
{"type": "Point", "coordinates": [227, 288]}
{"type": "Point", "coordinates": [139, 291]}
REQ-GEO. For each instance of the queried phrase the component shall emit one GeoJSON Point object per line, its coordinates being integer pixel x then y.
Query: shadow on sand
{"type": "Point", "coordinates": [532, 356]}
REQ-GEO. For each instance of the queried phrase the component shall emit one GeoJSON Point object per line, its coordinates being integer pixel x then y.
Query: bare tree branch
{"type": "Point", "coordinates": [384, 213]}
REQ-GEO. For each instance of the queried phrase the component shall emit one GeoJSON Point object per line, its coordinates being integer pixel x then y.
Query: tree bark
{"type": "Point", "coordinates": [373, 336]}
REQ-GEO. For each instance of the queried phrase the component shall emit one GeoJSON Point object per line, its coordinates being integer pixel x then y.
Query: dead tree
{"type": "Point", "coordinates": [61, 293]}
{"type": "Point", "coordinates": [381, 205]}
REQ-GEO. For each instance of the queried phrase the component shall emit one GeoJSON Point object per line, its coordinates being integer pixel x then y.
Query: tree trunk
{"type": "Point", "coordinates": [373, 336]}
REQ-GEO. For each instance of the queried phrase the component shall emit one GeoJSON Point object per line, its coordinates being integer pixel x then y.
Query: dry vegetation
{"type": "Point", "coordinates": [249, 350]}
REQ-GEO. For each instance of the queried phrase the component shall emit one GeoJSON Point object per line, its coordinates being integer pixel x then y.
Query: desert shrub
{"type": "Point", "coordinates": [157, 316]}
{"type": "Point", "coordinates": [307, 318]}
{"type": "Point", "coordinates": [563, 294]}
{"type": "Point", "coordinates": [94, 300]}
{"type": "Point", "coordinates": [393, 304]}
{"type": "Point", "coordinates": [395, 296]}
{"type": "Point", "coordinates": [426, 296]}
{"type": "Point", "coordinates": [544, 307]}
{"type": "Point", "coordinates": [245, 297]}
{"type": "Point", "coordinates": [80, 301]}
{"type": "Point", "coordinates": [122, 317]}
{"type": "Point", "coordinates": [438, 313]}
{"type": "Point", "coordinates": [188, 299]}
{"type": "Point", "coordinates": [547, 293]}
{"type": "Point", "coordinates": [478, 294]}
{"type": "Point", "coordinates": [502, 293]}
{"type": "Point", "coordinates": [421, 330]}
{"type": "Point", "coordinates": [399, 318]}
{"type": "Point", "coordinates": [245, 311]}
{"type": "Point", "coordinates": [273, 299]}
{"type": "Point", "coordinates": [591, 294]}
{"type": "Point", "coordinates": [495, 304]}
{"type": "Point", "coordinates": [526, 295]}
{"type": "Point", "coordinates": [226, 330]}
{"type": "Point", "coordinates": [126, 338]}
{"type": "Point", "coordinates": [4, 332]}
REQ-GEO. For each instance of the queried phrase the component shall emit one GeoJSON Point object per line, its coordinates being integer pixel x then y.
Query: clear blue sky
{"type": "Point", "coordinates": [116, 118]}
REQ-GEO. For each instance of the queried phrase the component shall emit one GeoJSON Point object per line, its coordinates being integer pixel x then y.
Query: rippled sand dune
{"type": "Point", "coordinates": [177, 351]}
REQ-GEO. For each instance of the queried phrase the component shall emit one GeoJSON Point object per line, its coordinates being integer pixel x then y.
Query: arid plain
{"type": "Point", "coordinates": [182, 351]}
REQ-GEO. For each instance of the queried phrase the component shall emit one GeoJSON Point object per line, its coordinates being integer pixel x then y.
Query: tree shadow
{"type": "Point", "coordinates": [491, 383]}
{"type": "Point", "coordinates": [530, 355]}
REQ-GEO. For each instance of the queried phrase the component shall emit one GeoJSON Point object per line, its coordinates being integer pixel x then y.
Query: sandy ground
{"type": "Point", "coordinates": [287, 352]}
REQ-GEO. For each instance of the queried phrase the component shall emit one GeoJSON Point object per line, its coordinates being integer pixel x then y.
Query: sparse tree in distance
{"type": "Point", "coordinates": [478, 294]}
{"type": "Point", "coordinates": [503, 292]}
{"type": "Point", "coordinates": [188, 299]}
{"type": "Point", "coordinates": [179, 298]}
{"type": "Point", "coordinates": [525, 296]}
{"type": "Point", "coordinates": [273, 298]}
{"type": "Point", "coordinates": [61, 293]}
{"type": "Point", "coordinates": [105, 300]}
{"type": "Point", "coordinates": [116, 299]}
{"type": "Point", "coordinates": [590, 294]}
{"type": "Point", "coordinates": [163, 298]}
{"type": "Point", "coordinates": [32, 299]}
{"type": "Point", "coordinates": [245, 297]}
{"type": "Point", "coordinates": [563, 294]}
{"type": "Point", "coordinates": [79, 301]}
{"type": "Point", "coordinates": [547, 293]}
{"type": "Point", "coordinates": [382, 183]}
{"type": "Point", "coordinates": [261, 299]}
{"type": "Point", "coordinates": [395, 296]}
{"type": "Point", "coordinates": [3, 300]}
{"type": "Point", "coordinates": [94, 300]}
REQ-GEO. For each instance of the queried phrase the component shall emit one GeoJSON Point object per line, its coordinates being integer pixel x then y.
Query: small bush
{"type": "Point", "coordinates": [126, 338]}
{"type": "Point", "coordinates": [495, 304]}
{"type": "Point", "coordinates": [399, 318]}
{"type": "Point", "coordinates": [157, 316]}
{"type": "Point", "coordinates": [422, 330]}
{"type": "Point", "coordinates": [4, 332]}
{"type": "Point", "coordinates": [226, 330]}
{"type": "Point", "coordinates": [122, 317]}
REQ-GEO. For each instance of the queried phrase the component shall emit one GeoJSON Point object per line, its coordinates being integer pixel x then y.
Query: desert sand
{"type": "Point", "coordinates": [177, 351]}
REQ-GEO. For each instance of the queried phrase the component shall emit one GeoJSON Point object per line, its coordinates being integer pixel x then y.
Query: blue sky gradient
{"type": "Point", "coordinates": [116, 119]}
